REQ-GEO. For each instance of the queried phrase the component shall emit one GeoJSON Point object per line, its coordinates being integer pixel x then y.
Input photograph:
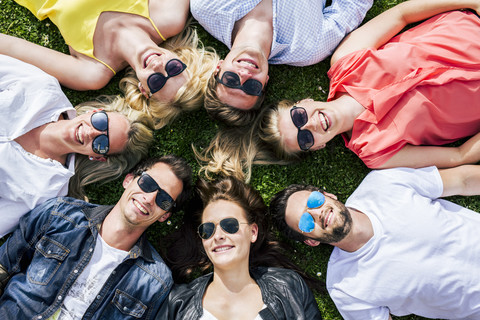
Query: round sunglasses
{"type": "Point", "coordinates": [251, 87]}
{"type": "Point", "coordinates": [100, 144]}
{"type": "Point", "coordinates": [148, 185]}
{"type": "Point", "coordinates": [157, 80]}
{"type": "Point", "coordinates": [230, 225]}
{"type": "Point", "coordinates": [300, 118]}
{"type": "Point", "coordinates": [315, 200]}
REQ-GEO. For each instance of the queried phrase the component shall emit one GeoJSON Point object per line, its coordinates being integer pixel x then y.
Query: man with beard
{"type": "Point", "coordinates": [398, 249]}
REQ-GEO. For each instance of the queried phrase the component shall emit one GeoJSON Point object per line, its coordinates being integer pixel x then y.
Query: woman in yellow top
{"type": "Point", "coordinates": [106, 36]}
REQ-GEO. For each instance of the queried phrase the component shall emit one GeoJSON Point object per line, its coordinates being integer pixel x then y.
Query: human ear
{"type": "Point", "coordinates": [254, 232]}
{"type": "Point", "coordinates": [128, 179]}
{"type": "Point", "coordinates": [311, 242]}
{"type": "Point", "coordinates": [331, 195]}
{"type": "Point", "coordinates": [165, 216]}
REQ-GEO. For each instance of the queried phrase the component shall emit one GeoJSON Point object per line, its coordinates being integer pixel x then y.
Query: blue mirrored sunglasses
{"type": "Point", "coordinates": [315, 200]}
{"type": "Point", "coordinates": [100, 144]}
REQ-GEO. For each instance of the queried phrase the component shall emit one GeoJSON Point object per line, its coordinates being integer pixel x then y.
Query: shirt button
{"type": "Point", "coordinates": [75, 271]}
{"type": "Point", "coordinates": [113, 272]}
{"type": "Point", "coordinates": [39, 317]}
{"type": "Point", "coordinates": [59, 297]}
{"type": "Point", "coordinates": [90, 249]}
{"type": "Point", "coordinates": [125, 308]}
{"type": "Point", "coordinates": [98, 297]}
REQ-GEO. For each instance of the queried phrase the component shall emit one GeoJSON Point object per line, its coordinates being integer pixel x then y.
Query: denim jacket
{"type": "Point", "coordinates": [53, 244]}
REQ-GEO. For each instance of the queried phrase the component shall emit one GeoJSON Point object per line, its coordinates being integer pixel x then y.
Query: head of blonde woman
{"type": "Point", "coordinates": [201, 63]}
{"type": "Point", "coordinates": [140, 136]}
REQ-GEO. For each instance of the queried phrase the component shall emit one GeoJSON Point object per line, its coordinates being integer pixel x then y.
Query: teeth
{"type": "Point", "coordinates": [222, 249]}
{"type": "Point", "coordinates": [80, 134]}
{"type": "Point", "coordinates": [324, 121]}
{"type": "Point", "coordinates": [248, 63]}
{"type": "Point", "coordinates": [140, 207]}
{"type": "Point", "coordinates": [150, 58]}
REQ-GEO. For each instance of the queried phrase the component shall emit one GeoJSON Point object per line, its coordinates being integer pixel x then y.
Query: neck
{"type": "Point", "coordinates": [348, 110]}
{"type": "Point", "coordinates": [46, 142]}
{"type": "Point", "coordinates": [131, 43]}
{"type": "Point", "coordinates": [255, 28]}
{"type": "Point", "coordinates": [361, 232]}
{"type": "Point", "coordinates": [115, 234]}
{"type": "Point", "coordinates": [232, 280]}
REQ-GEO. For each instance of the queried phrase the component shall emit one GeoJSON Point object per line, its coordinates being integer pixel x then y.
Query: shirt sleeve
{"type": "Point", "coordinates": [353, 309]}
{"type": "Point", "coordinates": [342, 17]}
{"type": "Point", "coordinates": [17, 252]}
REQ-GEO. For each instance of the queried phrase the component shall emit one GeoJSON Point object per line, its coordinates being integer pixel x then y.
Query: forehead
{"type": "Point", "coordinates": [220, 209]}
{"type": "Point", "coordinates": [166, 179]}
{"type": "Point", "coordinates": [296, 205]}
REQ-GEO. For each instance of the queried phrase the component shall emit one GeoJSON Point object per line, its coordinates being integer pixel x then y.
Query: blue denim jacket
{"type": "Point", "coordinates": [53, 244]}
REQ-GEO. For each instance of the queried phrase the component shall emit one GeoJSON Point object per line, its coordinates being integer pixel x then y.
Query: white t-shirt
{"type": "Point", "coordinates": [29, 98]}
{"type": "Point", "coordinates": [84, 290]}
{"type": "Point", "coordinates": [208, 316]}
{"type": "Point", "coordinates": [424, 257]}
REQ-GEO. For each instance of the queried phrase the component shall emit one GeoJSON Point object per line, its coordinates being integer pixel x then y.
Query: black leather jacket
{"type": "Point", "coordinates": [284, 293]}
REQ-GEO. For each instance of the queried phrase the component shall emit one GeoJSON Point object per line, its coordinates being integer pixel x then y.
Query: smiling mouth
{"type": "Point", "coordinates": [149, 58]}
{"type": "Point", "coordinates": [79, 134]}
{"type": "Point", "coordinates": [248, 62]}
{"type": "Point", "coordinates": [222, 248]}
{"type": "Point", "coordinates": [324, 121]}
{"type": "Point", "coordinates": [327, 219]}
{"type": "Point", "coordinates": [140, 207]}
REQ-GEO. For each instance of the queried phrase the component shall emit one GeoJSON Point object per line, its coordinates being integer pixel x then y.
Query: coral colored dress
{"type": "Point", "coordinates": [420, 88]}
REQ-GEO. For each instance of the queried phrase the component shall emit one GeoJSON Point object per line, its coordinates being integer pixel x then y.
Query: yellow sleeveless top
{"type": "Point", "coordinates": [77, 19]}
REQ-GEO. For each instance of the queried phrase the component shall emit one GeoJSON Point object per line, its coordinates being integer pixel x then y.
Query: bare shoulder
{"type": "Point", "coordinates": [170, 17]}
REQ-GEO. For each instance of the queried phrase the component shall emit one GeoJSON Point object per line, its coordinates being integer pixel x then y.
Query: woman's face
{"type": "Point", "coordinates": [80, 134]}
{"type": "Point", "coordinates": [155, 61]}
{"type": "Point", "coordinates": [226, 250]}
{"type": "Point", "coordinates": [316, 118]}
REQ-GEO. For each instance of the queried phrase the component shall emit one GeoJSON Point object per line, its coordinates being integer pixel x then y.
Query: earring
{"type": "Point", "coordinates": [90, 158]}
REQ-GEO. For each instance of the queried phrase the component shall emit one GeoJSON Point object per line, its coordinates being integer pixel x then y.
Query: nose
{"type": "Point", "coordinates": [244, 74]}
{"type": "Point", "coordinates": [150, 198]}
{"type": "Point", "coordinates": [219, 233]}
{"type": "Point", "coordinates": [311, 124]}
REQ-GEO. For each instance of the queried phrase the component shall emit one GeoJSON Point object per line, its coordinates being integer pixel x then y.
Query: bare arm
{"type": "Point", "coordinates": [383, 27]}
{"type": "Point", "coordinates": [72, 72]}
{"type": "Point", "coordinates": [462, 180]}
{"type": "Point", "coordinates": [442, 157]}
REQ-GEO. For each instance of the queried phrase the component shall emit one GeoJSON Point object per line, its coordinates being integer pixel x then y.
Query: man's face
{"type": "Point", "coordinates": [247, 63]}
{"type": "Point", "coordinates": [332, 220]}
{"type": "Point", "coordinates": [139, 208]}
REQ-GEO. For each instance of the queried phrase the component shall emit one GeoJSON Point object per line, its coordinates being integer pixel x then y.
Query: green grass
{"type": "Point", "coordinates": [334, 168]}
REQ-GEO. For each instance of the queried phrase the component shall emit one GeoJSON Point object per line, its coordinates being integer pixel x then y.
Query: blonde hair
{"type": "Point", "coordinates": [140, 137]}
{"type": "Point", "coordinates": [234, 150]}
{"type": "Point", "coordinates": [201, 63]}
{"type": "Point", "coordinates": [225, 113]}
{"type": "Point", "coordinates": [269, 133]}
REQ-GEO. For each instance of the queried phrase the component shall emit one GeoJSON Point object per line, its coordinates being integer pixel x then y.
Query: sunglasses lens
{"type": "Point", "coordinates": [147, 184]}
{"type": "Point", "coordinates": [99, 120]}
{"type": "Point", "coordinates": [156, 82]}
{"type": "Point", "coordinates": [163, 200]}
{"type": "Point", "coordinates": [174, 67]}
{"type": "Point", "coordinates": [206, 230]}
{"type": "Point", "coordinates": [305, 139]}
{"type": "Point", "coordinates": [100, 144]}
{"type": "Point", "coordinates": [231, 79]}
{"type": "Point", "coordinates": [315, 200]}
{"type": "Point", "coordinates": [253, 87]}
{"type": "Point", "coordinates": [229, 225]}
{"type": "Point", "coordinates": [306, 223]}
{"type": "Point", "coordinates": [299, 116]}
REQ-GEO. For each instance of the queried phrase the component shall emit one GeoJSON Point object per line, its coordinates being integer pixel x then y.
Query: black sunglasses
{"type": "Point", "coordinates": [251, 87]}
{"type": "Point", "coordinates": [207, 230]}
{"type": "Point", "coordinates": [300, 118]}
{"type": "Point", "coordinates": [148, 185]}
{"type": "Point", "coordinates": [157, 80]}
{"type": "Point", "coordinates": [100, 144]}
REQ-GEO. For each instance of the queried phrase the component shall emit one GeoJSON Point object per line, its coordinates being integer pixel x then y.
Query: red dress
{"type": "Point", "coordinates": [420, 88]}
